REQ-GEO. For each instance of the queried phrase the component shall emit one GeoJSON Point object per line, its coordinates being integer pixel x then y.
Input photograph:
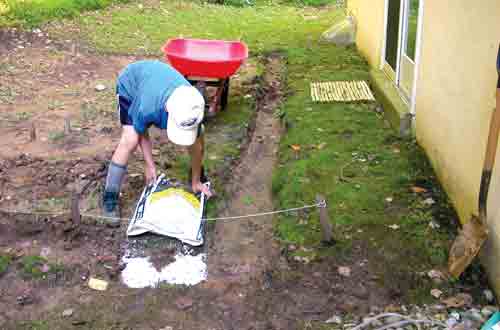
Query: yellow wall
{"type": "Point", "coordinates": [369, 16]}
{"type": "Point", "coordinates": [455, 98]}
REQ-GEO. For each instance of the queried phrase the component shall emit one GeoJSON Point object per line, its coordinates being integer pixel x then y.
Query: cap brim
{"type": "Point", "coordinates": [180, 136]}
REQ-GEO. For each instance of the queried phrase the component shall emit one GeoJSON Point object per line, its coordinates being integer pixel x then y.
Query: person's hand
{"type": "Point", "coordinates": [200, 187]}
{"type": "Point", "coordinates": [150, 174]}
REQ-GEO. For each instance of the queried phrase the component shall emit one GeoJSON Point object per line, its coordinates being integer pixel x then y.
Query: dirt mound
{"type": "Point", "coordinates": [26, 180]}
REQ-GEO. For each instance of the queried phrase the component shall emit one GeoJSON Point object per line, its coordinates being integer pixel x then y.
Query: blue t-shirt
{"type": "Point", "coordinates": [147, 85]}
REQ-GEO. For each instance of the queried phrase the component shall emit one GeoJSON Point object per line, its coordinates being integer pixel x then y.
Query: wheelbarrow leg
{"type": "Point", "coordinates": [225, 94]}
{"type": "Point", "coordinates": [219, 98]}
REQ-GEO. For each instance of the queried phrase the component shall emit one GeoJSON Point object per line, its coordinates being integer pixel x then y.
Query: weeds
{"type": "Point", "coordinates": [89, 112]}
{"type": "Point", "coordinates": [24, 115]}
{"type": "Point", "coordinates": [37, 267]}
{"type": "Point", "coordinates": [4, 263]}
{"type": "Point", "coordinates": [51, 204]}
{"type": "Point", "coordinates": [7, 94]}
{"type": "Point", "coordinates": [54, 104]}
{"type": "Point", "coordinates": [56, 136]}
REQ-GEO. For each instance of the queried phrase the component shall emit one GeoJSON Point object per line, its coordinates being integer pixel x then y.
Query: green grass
{"type": "Point", "coordinates": [56, 136]}
{"type": "Point", "coordinates": [31, 13]}
{"type": "Point", "coordinates": [4, 263]}
{"type": "Point", "coordinates": [263, 28]}
{"type": "Point", "coordinates": [31, 267]}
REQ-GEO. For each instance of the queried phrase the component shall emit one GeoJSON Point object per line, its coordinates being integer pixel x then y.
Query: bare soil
{"type": "Point", "coordinates": [253, 284]}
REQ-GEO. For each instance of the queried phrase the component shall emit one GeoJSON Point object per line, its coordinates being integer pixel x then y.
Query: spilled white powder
{"type": "Point", "coordinates": [139, 272]}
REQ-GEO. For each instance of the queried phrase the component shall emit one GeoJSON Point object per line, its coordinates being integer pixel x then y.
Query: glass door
{"type": "Point", "coordinates": [392, 38]}
{"type": "Point", "coordinates": [401, 43]}
{"type": "Point", "coordinates": [407, 71]}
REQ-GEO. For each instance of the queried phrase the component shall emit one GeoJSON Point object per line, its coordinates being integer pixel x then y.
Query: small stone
{"type": "Point", "coordinates": [488, 294]}
{"type": "Point", "coordinates": [292, 247]}
{"type": "Point", "coordinates": [184, 303]}
{"type": "Point", "coordinates": [429, 201]}
{"type": "Point", "coordinates": [167, 328]}
{"type": "Point", "coordinates": [389, 199]}
{"type": "Point", "coordinates": [434, 225]}
{"type": "Point", "coordinates": [67, 312]}
{"type": "Point", "coordinates": [37, 31]}
{"type": "Point", "coordinates": [335, 319]}
{"type": "Point", "coordinates": [344, 271]}
{"type": "Point", "coordinates": [394, 227]}
{"type": "Point", "coordinates": [100, 87]}
{"type": "Point", "coordinates": [489, 310]}
{"type": "Point", "coordinates": [436, 293]}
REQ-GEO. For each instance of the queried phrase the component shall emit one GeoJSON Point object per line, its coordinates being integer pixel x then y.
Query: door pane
{"type": "Point", "coordinates": [392, 38]}
{"type": "Point", "coordinates": [411, 38]}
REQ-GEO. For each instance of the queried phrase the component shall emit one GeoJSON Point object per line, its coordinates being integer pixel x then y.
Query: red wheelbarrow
{"type": "Point", "coordinates": [207, 63]}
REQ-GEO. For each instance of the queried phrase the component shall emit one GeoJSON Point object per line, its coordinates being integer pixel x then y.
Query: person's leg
{"type": "Point", "coordinates": [118, 166]}
{"type": "Point", "coordinates": [116, 172]}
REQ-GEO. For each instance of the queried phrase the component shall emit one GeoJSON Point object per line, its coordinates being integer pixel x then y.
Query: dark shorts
{"type": "Point", "coordinates": [123, 104]}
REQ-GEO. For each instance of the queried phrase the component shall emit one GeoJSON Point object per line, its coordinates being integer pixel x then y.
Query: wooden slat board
{"type": "Point", "coordinates": [341, 91]}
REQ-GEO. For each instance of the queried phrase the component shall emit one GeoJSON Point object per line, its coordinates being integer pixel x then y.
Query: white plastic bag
{"type": "Point", "coordinates": [170, 210]}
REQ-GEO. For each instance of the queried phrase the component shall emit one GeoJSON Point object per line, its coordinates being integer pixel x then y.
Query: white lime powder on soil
{"type": "Point", "coordinates": [186, 269]}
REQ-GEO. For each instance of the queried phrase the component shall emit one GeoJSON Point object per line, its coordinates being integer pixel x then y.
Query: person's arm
{"type": "Point", "coordinates": [196, 151]}
{"type": "Point", "coordinates": [147, 151]}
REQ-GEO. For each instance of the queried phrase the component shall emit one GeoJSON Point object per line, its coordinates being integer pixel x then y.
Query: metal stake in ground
{"type": "Point", "coordinates": [33, 132]}
{"type": "Point", "coordinates": [324, 219]}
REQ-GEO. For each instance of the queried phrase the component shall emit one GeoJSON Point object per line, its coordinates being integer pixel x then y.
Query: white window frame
{"type": "Point", "coordinates": [410, 99]}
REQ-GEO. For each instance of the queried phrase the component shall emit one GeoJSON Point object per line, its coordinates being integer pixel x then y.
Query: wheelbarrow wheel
{"type": "Point", "coordinates": [225, 94]}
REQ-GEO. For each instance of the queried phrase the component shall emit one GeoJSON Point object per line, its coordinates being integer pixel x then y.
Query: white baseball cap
{"type": "Point", "coordinates": [185, 108]}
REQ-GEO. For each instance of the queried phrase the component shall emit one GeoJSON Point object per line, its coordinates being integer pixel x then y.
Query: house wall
{"type": "Point", "coordinates": [455, 98]}
{"type": "Point", "coordinates": [369, 16]}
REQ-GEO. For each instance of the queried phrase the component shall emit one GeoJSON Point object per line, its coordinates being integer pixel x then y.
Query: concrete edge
{"type": "Point", "coordinates": [396, 110]}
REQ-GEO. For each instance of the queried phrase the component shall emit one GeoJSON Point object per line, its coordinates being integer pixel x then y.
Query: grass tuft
{"type": "Point", "coordinates": [4, 263]}
{"type": "Point", "coordinates": [32, 267]}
